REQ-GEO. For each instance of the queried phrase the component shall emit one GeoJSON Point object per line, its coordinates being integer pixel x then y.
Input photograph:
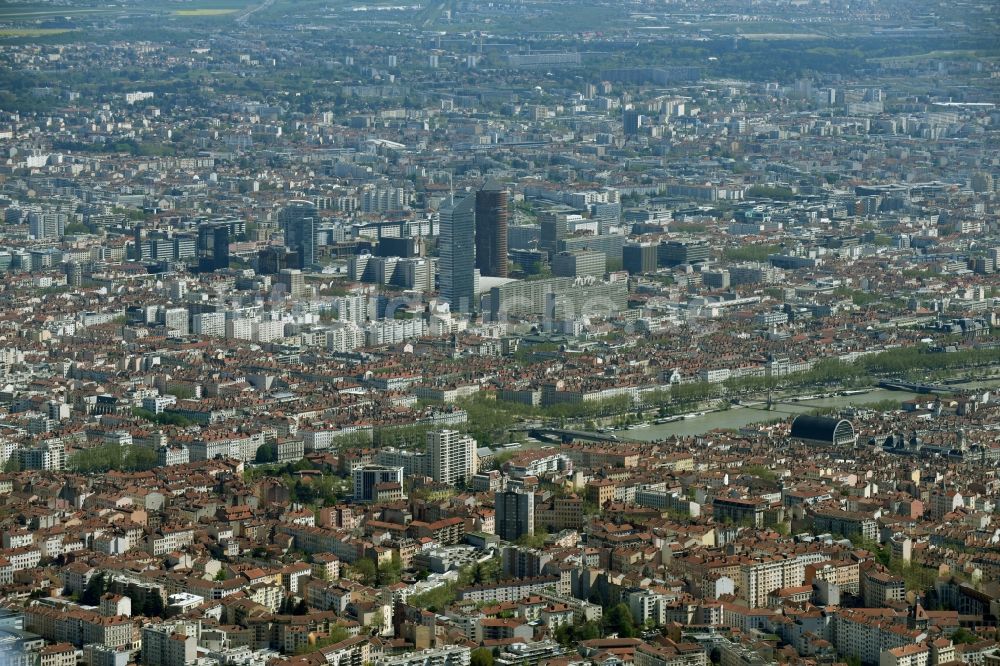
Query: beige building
{"type": "Point", "coordinates": [906, 655]}
{"type": "Point", "coordinates": [843, 574]}
{"type": "Point", "coordinates": [669, 653]}
{"type": "Point", "coordinates": [60, 654]}
{"type": "Point", "coordinates": [879, 586]}
{"type": "Point", "coordinates": [759, 579]}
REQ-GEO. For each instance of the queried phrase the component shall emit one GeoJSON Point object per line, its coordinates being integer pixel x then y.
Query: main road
{"type": "Point", "coordinates": [242, 18]}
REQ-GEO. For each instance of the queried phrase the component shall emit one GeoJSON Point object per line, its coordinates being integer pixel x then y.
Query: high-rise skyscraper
{"type": "Point", "coordinates": [273, 259]}
{"type": "Point", "coordinates": [515, 514]}
{"type": "Point", "coordinates": [176, 321]}
{"type": "Point", "coordinates": [631, 122]}
{"type": "Point", "coordinates": [138, 236]}
{"type": "Point", "coordinates": [213, 247]}
{"type": "Point", "coordinates": [293, 282]}
{"type": "Point", "coordinates": [299, 221]}
{"type": "Point", "coordinates": [74, 273]}
{"type": "Point", "coordinates": [452, 456]}
{"type": "Point", "coordinates": [554, 227]}
{"type": "Point", "coordinates": [47, 226]}
{"type": "Point", "coordinates": [491, 230]}
{"type": "Point", "coordinates": [457, 267]}
{"type": "Point", "coordinates": [639, 257]}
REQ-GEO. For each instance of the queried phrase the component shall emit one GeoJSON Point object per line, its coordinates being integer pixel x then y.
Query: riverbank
{"type": "Point", "coordinates": [739, 416]}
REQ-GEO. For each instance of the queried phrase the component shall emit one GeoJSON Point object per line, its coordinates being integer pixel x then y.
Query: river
{"type": "Point", "coordinates": [737, 417]}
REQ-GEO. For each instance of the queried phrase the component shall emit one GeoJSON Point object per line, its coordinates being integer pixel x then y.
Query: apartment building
{"type": "Point", "coordinates": [851, 525]}
{"type": "Point", "coordinates": [452, 456]}
{"type": "Point", "coordinates": [513, 590]}
{"type": "Point", "coordinates": [864, 633]}
{"type": "Point", "coordinates": [880, 587]}
{"type": "Point", "coordinates": [905, 655]}
{"type": "Point", "coordinates": [759, 579]}
{"type": "Point", "coordinates": [668, 653]}
{"type": "Point", "coordinates": [448, 655]}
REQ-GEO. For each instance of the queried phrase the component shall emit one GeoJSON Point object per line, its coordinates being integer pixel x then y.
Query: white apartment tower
{"type": "Point", "coordinates": [452, 456]}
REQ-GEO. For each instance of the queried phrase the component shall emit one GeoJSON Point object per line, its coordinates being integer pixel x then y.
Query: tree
{"type": "Point", "coordinates": [391, 571]}
{"type": "Point", "coordinates": [76, 228]}
{"type": "Point", "coordinates": [482, 657]}
{"type": "Point", "coordinates": [963, 636]}
{"type": "Point", "coordinates": [267, 453]}
{"type": "Point", "coordinates": [756, 252]}
{"type": "Point", "coordinates": [113, 457]}
{"type": "Point", "coordinates": [771, 192]}
{"type": "Point", "coordinates": [761, 472]}
{"type": "Point", "coordinates": [337, 634]}
{"type": "Point", "coordinates": [366, 569]}
{"type": "Point", "coordinates": [480, 573]}
{"type": "Point", "coordinates": [570, 634]}
{"type": "Point", "coordinates": [181, 392]}
{"type": "Point", "coordinates": [301, 608]}
{"type": "Point", "coordinates": [96, 587]}
{"type": "Point", "coordinates": [619, 620]}
{"type": "Point", "coordinates": [536, 540]}
{"type": "Point", "coordinates": [435, 599]}
{"type": "Point", "coordinates": [154, 605]}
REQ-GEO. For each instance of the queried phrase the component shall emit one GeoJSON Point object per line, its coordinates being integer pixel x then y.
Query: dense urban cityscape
{"type": "Point", "coordinates": [506, 333]}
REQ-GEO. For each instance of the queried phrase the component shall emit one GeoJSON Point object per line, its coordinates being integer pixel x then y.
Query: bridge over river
{"type": "Point", "coordinates": [914, 387]}
{"type": "Point", "coordinates": [563, 435]}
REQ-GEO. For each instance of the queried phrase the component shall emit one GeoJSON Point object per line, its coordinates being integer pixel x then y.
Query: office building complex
{"type": "Point", "coordinates": [523, 237]}
{"type": "Point", "coordinates": [675, 253]}
{"type": "Point", "coordinates": [213, 247]}
{"type": "Point", "coordinates": [491, 230]}
{"type": "Point", "coordinates": [74, 273]}
{"type": "Point", "coordinates": [457, 248]}
{"type": "Point", "coordinates": [273, 259]}
{"type": "Point", "coordinates": [609, 244]}
{"type": "Point", "coordinates": [579, 264]}
{"type": "Point", "coordinates": [409, 273]}
{"type": "Point", "coordinates": [556, 59]}
{"type": "Point", "coordinates": [407, 247]}
{"type": "Point", "coordinates": [558, 298]}
{"type": "Point", "coordinates": [639, 257]}
{"type": "Point", "coordinates": [299, 221]}
{"type": "Point", "coordinates": [162, 245]}
{"type": "Point", "coordinates": [529, 262]}
{"type": "Point", "coordinates": [175, 320]}
{"type": "Point", "coordinates": [631, 122]}
{"type": "Point", "coordinates": [716, 279]}
{"type": "Point", "coordinates": [293, 282]}
{"type": "Point", "coordinates": [554, 227]}
{"type": "Point", "coordinates": [606, 215]}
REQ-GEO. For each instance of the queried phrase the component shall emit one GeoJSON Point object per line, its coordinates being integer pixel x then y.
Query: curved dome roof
{"type": "Point", "coordinates": [823, 429]}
